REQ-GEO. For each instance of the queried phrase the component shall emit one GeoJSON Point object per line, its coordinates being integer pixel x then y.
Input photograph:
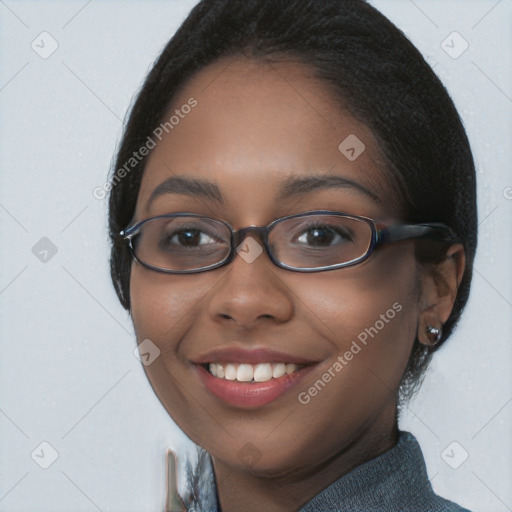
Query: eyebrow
{"type": "Point", "coordinates": [300, 185]}
{"type": "Point", "coordinates": [193, 187]}
{"type": "Point", "coordinates": [292, 186]}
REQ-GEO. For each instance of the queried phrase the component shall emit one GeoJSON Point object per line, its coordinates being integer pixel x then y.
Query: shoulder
{"type": "Point", "coordinates": [421, 489]}
{"type": "Point", "coordinates": [395, 481]}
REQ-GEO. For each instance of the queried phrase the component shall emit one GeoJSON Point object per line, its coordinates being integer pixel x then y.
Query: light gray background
{"type": "Point", "coordinates": [68, 375]}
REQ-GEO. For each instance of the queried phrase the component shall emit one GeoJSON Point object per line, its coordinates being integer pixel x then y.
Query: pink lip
{"type": "Point", "coordinates": [255, 356]}
{"type": "Point", "coordinates": [250, 395]}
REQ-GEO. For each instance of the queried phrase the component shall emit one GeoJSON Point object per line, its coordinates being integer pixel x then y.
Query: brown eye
{"type": "Point", "coordinates": [186, 237]}
{"type": "Point", "coordinates": [323, 235]}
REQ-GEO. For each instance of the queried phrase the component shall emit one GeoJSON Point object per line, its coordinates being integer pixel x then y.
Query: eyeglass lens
{"type": "Point", "coordinates": [310, 241]}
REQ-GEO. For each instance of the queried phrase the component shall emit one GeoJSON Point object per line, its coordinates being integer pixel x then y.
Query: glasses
{"type": "Point", "coordinates": [186, 243]}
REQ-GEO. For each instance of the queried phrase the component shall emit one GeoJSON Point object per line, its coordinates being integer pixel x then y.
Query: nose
{"type": "Point", "coordinates": [251, 291]}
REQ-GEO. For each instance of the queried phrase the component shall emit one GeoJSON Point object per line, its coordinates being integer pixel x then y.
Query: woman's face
{"type": "Point", "coordinates": [255, 128]}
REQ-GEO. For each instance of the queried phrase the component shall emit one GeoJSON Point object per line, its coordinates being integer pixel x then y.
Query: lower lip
{"type": "Point", "coordinates": [250, 395]}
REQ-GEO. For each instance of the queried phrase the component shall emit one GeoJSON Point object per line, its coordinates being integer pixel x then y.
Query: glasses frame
{"type": "Point", "coordinates": [435, 231]}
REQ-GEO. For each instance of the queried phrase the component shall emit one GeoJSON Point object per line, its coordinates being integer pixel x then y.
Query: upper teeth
{"type": "Point", "coordinates": [244, 372]}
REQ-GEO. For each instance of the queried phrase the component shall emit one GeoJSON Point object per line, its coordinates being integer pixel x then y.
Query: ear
{"type": "Point", "coordinates": [439, 285]}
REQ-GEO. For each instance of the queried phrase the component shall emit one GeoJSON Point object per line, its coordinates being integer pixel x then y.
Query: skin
{"type": "Point", "coordinates": [256, 124]}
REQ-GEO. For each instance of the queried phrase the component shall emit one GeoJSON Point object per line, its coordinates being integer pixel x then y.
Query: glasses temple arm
{"type": "Point", "coordinates": [431, 231]}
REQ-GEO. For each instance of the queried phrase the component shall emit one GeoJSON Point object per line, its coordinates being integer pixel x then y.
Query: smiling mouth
{"type": "Point", "coordinates": [245, 372]}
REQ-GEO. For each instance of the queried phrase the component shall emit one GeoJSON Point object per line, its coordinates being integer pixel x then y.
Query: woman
{"type": "Point", "coordinates": [293, 226]}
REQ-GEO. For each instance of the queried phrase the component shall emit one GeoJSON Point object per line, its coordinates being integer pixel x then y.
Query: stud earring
{"type": "Point", "coordinates": [434, 333]}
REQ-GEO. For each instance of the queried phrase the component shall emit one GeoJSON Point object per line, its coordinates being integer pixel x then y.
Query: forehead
{"type": "Point", "coordinates": [254, 124]}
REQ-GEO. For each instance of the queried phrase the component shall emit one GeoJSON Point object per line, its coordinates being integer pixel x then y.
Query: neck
{"type": "Point", "coordinates": [241, 490]}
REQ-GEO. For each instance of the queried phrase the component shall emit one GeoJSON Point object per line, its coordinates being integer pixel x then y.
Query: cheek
{"type": "Point", "coordinates": [161, 305]}
{"type": "Point", "coordinates": [369, 314]}
{"type": "Point", "coordinates": [355, 297]}
{"type": "Point", "coordinates": [163, 309]}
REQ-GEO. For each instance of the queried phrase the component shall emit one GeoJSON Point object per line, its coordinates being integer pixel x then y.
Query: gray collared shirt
{"type": "Point", "coordinates": [395, 481]}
